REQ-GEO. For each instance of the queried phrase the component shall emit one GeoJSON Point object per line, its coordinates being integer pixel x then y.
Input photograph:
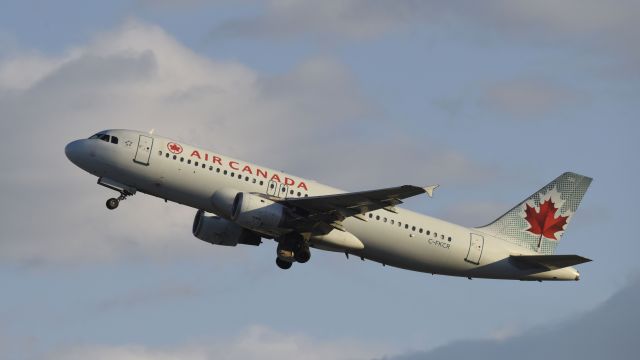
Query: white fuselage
{"type": "Point", "coordinates": [189, 175]}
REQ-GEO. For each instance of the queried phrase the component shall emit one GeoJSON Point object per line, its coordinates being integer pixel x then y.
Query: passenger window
{"type": "Point", "coordinates": [210, 168]}
{"type": "Point", "coordinates": [196, 164]}
{"type": "Point", "coordinates": [175, 157]}
{"type": "Point", "coordinates": [392, 221]}
{"type": "Point", "coordinates": [167, 155]}
{"type": "Point", "coordinates": [181, 159]}
{"type": "Point", "coordinates": [291, 192]}
{"type": "Point", "coordinates": [420, 231]}
{"type": "Point", "coordinates": [254, 181]}
{"type": "Point", "coordinates": [435, 235]}
{"type": "Point", "coordinates": [261, 182]}
{"type": "Point", "coordinates": [225, 172]}
{"type": "Point", "coordinates": [428, 232]}
{"type": "Point", "coordinates": [449, 238]}
{"type": "Point", "coordinates": [385, 219]}
{"type": "Point", "coordinates": [399, 224]}
{"type": "Point", "coordinates": [300, 194]}
{"type": "Point", "coordinates": [246, 178]}
{"type": "Point", "coordinates": [306, 195]}
{"type": "Point", "coordinates": [240, 176]}
{"type": "Point", "coordinates": [217, 170]}
{"type": "Point", "coordinates": [114, 140]}
{"type": "Point", "coordinates": [232, 174]}
{"type": "Point", "coordinates": [204, 166]}
{"type": "Point", "coordinates": [370, 214]}
{"type": "Point", "coordinates": [189, 161]}
{"type": "Point", "coordinates": [377, 217]}
{"type": "Point", "coordinates": [271, 186]}
{"type": "Point", "coordinates": [413, 228]}
{"type": "Point", "coordinates": [406, 226]}
{"type": "Point", "coordinates": [442, 237]}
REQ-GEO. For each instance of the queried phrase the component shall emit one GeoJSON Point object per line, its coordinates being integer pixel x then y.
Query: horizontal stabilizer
{"type": "Point", "coordinates": [550, 262]}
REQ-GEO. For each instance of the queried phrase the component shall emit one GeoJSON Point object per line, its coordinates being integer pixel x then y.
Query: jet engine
{"type": "Point", "coordinates": [259, 214]}
{"type": "Point", "coordinates": [218, 231]}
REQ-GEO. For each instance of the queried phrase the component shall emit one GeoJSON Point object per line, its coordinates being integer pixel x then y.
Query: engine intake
{"type": "Point", "coordinates": [218, 231]}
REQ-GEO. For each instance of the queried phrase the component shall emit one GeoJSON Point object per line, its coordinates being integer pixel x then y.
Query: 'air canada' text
{"type": "Point", "coordinates": [234, 165]}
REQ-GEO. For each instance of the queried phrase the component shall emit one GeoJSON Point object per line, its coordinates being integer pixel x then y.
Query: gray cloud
{"type": "Point", "coordinates": [611, 328]}
{"type": "Point", "coordinates": [360, 18]}
{"type": "Point", "coordinates": [146, 296]}
{"type": "Point", "coordinates": [528, 98]}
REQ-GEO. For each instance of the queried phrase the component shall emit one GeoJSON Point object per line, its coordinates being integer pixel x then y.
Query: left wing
{"type": "Point", "coordinates": [332, 209]}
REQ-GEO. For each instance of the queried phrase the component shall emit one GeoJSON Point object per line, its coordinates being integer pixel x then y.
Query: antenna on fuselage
{"type": "Point", "coordinates": [151, 131]}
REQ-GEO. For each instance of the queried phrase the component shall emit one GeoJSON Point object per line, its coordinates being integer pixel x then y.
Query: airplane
{"type": "Point", "coordinates": [238, 202]}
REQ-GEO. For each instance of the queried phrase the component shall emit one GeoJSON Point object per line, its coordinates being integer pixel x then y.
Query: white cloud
{"type": "Point", "coordinates": [257, 342]}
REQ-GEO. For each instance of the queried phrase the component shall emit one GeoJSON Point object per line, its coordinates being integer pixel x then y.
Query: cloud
{"type": "Point", "coordinates": [257, 342]}
{"type": "Point", "coordinates": [145, 296]}
{"type": "Point", "coordinates": [589, 24]}
{"type": "Point", "coordinates": [528, 98]}
{"type": "Point", "coordinates": [610, 328]}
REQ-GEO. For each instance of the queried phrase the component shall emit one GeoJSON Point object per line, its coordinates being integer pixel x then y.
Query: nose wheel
{"type": "Point", "coordinates": [114, 202]}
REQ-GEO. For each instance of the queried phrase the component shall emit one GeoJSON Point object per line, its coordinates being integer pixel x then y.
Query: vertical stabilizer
{"type": "Point", "coordinates": [539, 222]}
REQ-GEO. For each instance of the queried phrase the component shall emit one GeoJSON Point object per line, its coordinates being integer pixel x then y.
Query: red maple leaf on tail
{"type": "Point", "coordinates": [544, 222]}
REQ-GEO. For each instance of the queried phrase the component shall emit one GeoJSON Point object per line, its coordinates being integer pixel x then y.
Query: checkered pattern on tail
{"type": "Point", "coordinates": [528, 223]}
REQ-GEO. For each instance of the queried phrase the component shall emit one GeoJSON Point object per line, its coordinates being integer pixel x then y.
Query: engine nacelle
{"type": "Point", "coordinates": [222, 201]}
{"type": "Point", "coordinates": [218, 231]}
{"type": "Point", "coordinates": [259, 214]}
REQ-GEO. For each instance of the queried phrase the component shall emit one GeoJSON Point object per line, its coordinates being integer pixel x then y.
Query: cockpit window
{"type": "Point", "coordinates": [114, 139]}
{"type": "Point", "coordinates": [104, 137]}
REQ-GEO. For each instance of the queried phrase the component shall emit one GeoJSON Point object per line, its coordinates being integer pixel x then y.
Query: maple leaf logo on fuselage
{"type": "Point", "coordinates": [544, 222]}
{"type": "Point", "coordinates": [174, 148]}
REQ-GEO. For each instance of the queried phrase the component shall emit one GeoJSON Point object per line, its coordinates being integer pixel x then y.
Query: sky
{"type": "Point", "coordinates": [491, 100]}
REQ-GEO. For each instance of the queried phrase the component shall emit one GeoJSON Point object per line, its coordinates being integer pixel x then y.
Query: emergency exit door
{"type": "Point", "coordinates": [143, 153]}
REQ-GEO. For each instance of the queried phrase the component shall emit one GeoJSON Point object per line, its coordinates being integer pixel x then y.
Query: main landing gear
{"type": "Point", "coordinates": [292, 247]}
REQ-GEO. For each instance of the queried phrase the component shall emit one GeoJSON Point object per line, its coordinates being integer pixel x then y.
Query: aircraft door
{"type": "Point", "coordinates": [475, 249]}
{"type": "Point", "coordinates": [143, 153]}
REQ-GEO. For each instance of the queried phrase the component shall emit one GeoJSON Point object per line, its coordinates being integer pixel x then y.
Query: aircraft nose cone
{"type": "Point", "coordinates": [72, 150]}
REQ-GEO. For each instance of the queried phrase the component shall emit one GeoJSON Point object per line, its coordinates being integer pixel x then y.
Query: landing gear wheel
{"type": "Point", "coordinates": [112, 203]}
{"type": "Point", "coordinates": [283, 264]}
{"type": "Point", "coordinates": [302, 255]}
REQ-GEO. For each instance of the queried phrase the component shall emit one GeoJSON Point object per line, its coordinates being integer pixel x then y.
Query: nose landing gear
{"type": "Point", "coordinates": [114, 202]}
{"type": "Point", "coordinates": [124, 191]}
